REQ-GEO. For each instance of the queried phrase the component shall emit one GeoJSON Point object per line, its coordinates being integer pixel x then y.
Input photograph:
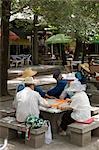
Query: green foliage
{"type": "Point", "coordinates": [55, 11]}
{"type": "Point", "coordinates": [83, 19]}
{"type": "Point", "coordinates": [69, 16]}
{"type": "Point", "coordinates": [19, 5]}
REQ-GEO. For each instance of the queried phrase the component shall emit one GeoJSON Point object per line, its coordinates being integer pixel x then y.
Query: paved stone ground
{"type": "Point", "coordinates": [58, 143]}
{"type": "Point", "coordinates": [41, 69]}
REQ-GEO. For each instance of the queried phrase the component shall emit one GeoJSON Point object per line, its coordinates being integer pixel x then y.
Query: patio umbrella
{"type": "Point", "coordinates": [58, 38]}
{"type": "Point", "coordinates": [12, 35]}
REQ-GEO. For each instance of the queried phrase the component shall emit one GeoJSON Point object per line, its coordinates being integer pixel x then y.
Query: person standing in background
{"type": "Point", "coordinates": [65, 55]}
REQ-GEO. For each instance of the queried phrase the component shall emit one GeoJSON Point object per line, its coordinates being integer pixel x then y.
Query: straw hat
{"type": "Point", "coordinates": [85, 66]}
{"type": "Point", "coordinates": [76, 86]}
{"type": "Point", "coordinates": [29, 80]}
{"type": "Point", "coordinates": [28, 73]}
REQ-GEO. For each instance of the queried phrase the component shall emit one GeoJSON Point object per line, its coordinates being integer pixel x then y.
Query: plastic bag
{"type": "Point", "coordinates": [48, 134]}
{"type": "Point", "coordinates": [4, 146]}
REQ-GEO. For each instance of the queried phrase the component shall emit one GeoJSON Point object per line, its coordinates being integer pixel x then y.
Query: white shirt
{"type": "Point", "coordinates": [81, 107]}
{"type": "Point", "coordinates": [27, 103]}
{"type": "Point", "coordinates": [64, 92]}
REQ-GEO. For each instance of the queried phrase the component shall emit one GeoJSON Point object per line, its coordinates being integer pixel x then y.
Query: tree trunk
{"type": "Point", "coordinates": [78, 48]}
{"type": "Point", "coordinates": [4, 46]}
{"type": "Point", "coordinates": [35, 42]}
{"type": "Point", "coordinates": [83, 52]}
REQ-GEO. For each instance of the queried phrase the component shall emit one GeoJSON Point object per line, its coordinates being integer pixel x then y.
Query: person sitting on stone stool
{"type": "Point", "coordinates": [79, 109]}
{"type": "Point", "coordinates": [27, 101]}
{"type": "Point", "coordinates": [28, 72]}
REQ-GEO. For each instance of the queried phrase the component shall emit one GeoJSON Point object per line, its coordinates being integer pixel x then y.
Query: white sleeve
{"type": "Point", "coordinates": [64, 92]}
{"type": "Point", "coordinates": [75, 103]}
{"type": "Point", "coordinates": [42, 101]}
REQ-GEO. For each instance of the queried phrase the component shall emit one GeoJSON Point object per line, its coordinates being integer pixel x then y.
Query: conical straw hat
{"type": "Point", "coordinates": [85, 66]}
{"type": "Point", "coordinates": [28, 73]}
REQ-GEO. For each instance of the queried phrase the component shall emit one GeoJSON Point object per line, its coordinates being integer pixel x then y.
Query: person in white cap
{"type": "Point", "coordinates": [79, 108]}
{"type": "Point", "coordinates": [28, 72]}
{"type": "Point", "coordinates": [27, 101]}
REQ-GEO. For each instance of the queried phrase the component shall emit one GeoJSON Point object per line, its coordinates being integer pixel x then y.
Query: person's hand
{"type": "Point", "coordinates": [65, 108]}
{"type": "Point", "coordinates": [62, 108]}
{"type": "Point", "coordinates": [49, 106]}
{"type": "Point", "coordinates": [68, 100]}
{"type": "Point", "coordinates": [52, 97]}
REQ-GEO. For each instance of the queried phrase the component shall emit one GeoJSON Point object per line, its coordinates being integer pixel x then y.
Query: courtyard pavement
{"type": "Point", "coordinates": [58, 143]}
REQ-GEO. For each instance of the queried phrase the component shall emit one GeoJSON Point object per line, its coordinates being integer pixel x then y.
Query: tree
{"type": "Point", "coordinates": [50, 9]}
{"type": "Point", "coordinates": [34, 6]}
{"type": "Point", "coordinates": [82, 22]}
{"type": "Point", "coordinates": [77, 18]}
{"type": "Point", "coordinates": [5, 5]}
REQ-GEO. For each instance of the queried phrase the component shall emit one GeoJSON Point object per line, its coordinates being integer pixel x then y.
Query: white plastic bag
{"type": "Point", "coordinates": [48, 134]}
{"type": "Point", "coordinates": [4, 146]}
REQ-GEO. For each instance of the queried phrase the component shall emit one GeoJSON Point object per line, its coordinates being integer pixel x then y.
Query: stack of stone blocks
{"type": "Point", "coordinates": [9, 128]}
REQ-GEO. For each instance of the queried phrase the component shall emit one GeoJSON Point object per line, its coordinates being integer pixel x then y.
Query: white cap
{"type": "Point", "coordinates": [29, 80]}
{"type": "Point", "coordinates": [76, 86]}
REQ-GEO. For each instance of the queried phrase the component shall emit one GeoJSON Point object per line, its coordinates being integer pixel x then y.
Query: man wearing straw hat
{"type": "Point", "coordinates": [88, 67]}
{"type": "Point", "coordinates": [27, 101]}
{"type": "Point", "coordinates": [79, 108]}
{"type": "Point", "coordinates": [28, 72]}
{"type": "Point", "coordinates": [31, 73]}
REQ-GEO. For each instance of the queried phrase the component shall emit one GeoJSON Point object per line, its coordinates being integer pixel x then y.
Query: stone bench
{"type": "Point", "coordinates": [80, 134]}
{"type": "Point", "coordinates": [94, 110]}
{"type": "Point", "coordinates": [9, 128]}
{"type": "Point", "coordinates": [7, 112]}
